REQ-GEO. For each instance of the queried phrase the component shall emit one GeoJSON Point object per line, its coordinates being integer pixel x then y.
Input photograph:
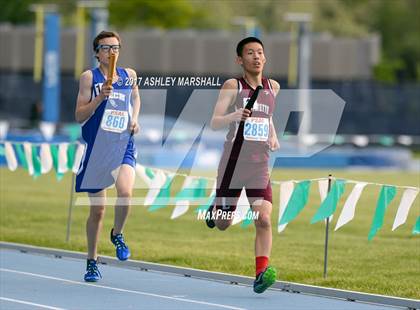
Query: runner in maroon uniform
{"type": "Point", "coordinates": [244, 162]}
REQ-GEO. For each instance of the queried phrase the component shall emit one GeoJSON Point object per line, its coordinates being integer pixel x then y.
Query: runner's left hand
{"type": "Point", "coordinates": [134, 127]}
{"type": "Point", "coordinates": [273, 143]}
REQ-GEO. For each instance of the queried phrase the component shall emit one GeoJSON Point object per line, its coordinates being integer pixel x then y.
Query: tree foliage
{"type": "Point", "coordinates": [150, 13]}
{"type": "Point", "coordinates": [15, 12]}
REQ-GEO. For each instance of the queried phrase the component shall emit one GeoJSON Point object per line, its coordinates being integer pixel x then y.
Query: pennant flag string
{"type": "Point", "coordinates": [298, 181]}
{"type": "Point", "coordinates": [178, 174]}
{"type": "Point", "coordinates": [37, 143]}
{"type": "Point", "coordinates": [70, 154]}
{"type": "Point", "coordinates": [40, 158]}
{"type": "Point", "coordinates": [380, 184]}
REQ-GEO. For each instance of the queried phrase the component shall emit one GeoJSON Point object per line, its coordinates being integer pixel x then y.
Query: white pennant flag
{"type": "Point", "coordinates": [141, 172]}
{"type": "Point", "coordinates": [12, 163]}
{"type": "Point", "coordinates": [27, 147]}
{"type": "Point", "coordinates": [213, 189]}
{"type": "Point", "coordinates": [323, 189]}
{"type": "Point", "coordinates": [347, 214]}
{"type": "Point", "coordinates": [47, 129]}
{"type": "Point", "coordinates": [286, 190]}
{"type": "Point", "coordinates": [242, 208]}
{"type": "Point", "coordinates": [62, 157]}
{"type": "Point", "coordinates": [155, 187]}
{"type": "Point", "coordinates": [78, 158]}
{"type": "Point", "coordinates": [406, 201]}
{"type": "Point", "coordinates": [182, 206]}
{"type": "Point", "coordinates": [46, 158]}
{"type": "Point", "coordinates": [4, 127]}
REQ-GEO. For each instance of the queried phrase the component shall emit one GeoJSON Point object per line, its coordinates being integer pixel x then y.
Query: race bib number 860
{"type": "Point", "coordinates": [256, 129]}
{"type": "Point", "coordinates": [114, 121]}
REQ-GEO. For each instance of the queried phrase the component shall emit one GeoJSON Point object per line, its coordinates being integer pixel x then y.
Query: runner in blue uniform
{"type": "Point", "coordinates": [108, 115]}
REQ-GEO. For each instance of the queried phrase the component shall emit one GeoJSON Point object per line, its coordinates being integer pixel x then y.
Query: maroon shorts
{"type": "Point", "coordinates": [254, 177]}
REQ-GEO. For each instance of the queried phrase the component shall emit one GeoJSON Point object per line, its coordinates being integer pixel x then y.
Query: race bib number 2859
{"type": "Point", "coordinates": [256, 129]}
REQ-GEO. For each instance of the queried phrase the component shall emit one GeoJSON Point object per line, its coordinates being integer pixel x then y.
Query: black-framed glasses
{"type": "Point", "coordinates": [107, 47]}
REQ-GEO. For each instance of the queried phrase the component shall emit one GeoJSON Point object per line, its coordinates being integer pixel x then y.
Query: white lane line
{"type": "Point", "coordinates": [122, 290]}
{"type": "Point", "coordinates": [30, 303]}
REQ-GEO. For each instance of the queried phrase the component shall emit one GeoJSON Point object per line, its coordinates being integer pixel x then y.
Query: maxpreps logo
{"type": "Point", "coordinates": [220, 214]}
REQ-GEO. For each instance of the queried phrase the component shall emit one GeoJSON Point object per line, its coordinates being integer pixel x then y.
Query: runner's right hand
{"type": "Point", "coordinates": [240, 115]}
{"type": "Point", "coordinates": [105, 91]}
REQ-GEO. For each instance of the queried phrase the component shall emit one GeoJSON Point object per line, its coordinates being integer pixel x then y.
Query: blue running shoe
{"type": "Point", "coordinates": [121, 249]}
{"type": "Point", "coordinates": [265, 279]}
{"type": "Point", "coordinates": [92, 272]}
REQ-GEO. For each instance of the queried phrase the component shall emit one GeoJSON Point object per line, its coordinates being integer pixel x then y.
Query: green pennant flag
{"type": "Point", "coordinates": [163, 198]}
{"type": "Point", "coordinates": [385, 197]}
{"type": "Point", "coordinates": [296, 202]}
{"type": "Point", "coordinates": [71, 154]}
{"type": "Point", "coordinates": [54, 155]}
{"type": "Point", "coordinates": [329, 205]}
{"type": "Point", "coordinates": [248, 219]}
{"type": "Point", "coordinates": [416, 228]}
{"type": "Point", "coordinates": [21, 155]}
{"type": "Point", "coordinates": [73, 131]}
{"type": "Point", "coordinates": [149, 172]}
{"type": "Point", "coordinates": [36, 161]}
{"type": "Point", "coordinates": [194, 191]}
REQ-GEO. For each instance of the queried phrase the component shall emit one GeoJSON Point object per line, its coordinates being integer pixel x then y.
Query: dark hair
{"type": "Point", "coordinates": [243, 42]}
{"type": "Point", "coordinates": [103, 35]}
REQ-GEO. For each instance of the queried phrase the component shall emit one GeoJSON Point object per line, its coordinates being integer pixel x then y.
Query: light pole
{"type": "Point", "coordinates": [303, 69]}
{"type": "Point", "coordinates": [99, 22]}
